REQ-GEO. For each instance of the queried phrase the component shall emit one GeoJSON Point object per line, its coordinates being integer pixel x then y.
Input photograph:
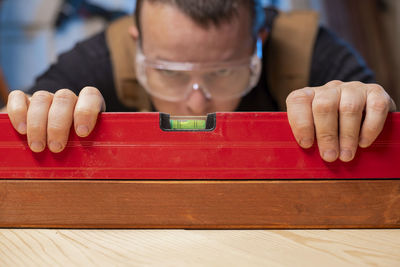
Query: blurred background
{"type": "Point", "coordinates": [34, 32]}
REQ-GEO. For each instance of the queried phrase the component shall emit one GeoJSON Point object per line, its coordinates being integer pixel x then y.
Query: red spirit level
{"type": "Point", "coordinates": [235, 146]}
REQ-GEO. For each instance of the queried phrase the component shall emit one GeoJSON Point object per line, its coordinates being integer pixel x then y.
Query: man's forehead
{"type": "Point", "coordinates": [176, 36]}
{"type": "Point", "coordinates": [207, 12]}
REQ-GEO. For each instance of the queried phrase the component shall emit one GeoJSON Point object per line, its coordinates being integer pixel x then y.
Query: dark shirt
{"type": "Point", "coordinates": [89, 64]}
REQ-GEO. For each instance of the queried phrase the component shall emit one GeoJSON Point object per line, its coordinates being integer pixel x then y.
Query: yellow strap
{"type": "Point", "coordinates": [122, 49]}
{"type": "Point", "coordinates": [290, 53]}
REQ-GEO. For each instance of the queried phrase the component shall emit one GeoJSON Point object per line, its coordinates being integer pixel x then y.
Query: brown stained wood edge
{"type": "Point", "coordinates": [277, 204]}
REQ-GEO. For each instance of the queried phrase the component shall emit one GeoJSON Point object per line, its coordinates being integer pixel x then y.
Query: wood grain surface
{"type": "Point", "coordinates": [30, 247]}
{"type": "Point", "coordinates": [200, 204]}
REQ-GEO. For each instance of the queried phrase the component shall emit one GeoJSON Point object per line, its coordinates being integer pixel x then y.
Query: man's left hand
{"type": "Point", "coordinates": [334, 114]}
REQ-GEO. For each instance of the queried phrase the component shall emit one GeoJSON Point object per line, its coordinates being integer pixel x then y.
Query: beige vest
{"type": "Point", "coordinates": [289, 58]}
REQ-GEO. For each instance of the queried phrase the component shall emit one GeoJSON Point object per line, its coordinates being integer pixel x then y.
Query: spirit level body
{"type": "Point", "coordinates": [241, 146]}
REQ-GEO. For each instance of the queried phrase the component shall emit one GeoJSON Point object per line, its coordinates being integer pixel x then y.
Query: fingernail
{"type": "Point", "coordinates": [55, 146]}
{"type": "Point", "coordinates": [22, 128]}
{"type": "Point", "coordinates": [363, 142]}
{"type": "Point", "coordinates": [330, 155]}
{"type": "Point", "coordinates": [306, 142]}
{"type": "Point", "coordinates": [82, 130]}
{"type": "Point", "coordinates": [37, 146]}
{"type": "Point", "coordinates": [346, 155]}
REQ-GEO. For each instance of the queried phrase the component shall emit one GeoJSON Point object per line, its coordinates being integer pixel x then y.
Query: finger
{"type": "Point", "coordinates": [90, 103]}
{"type": "Point", "coordinates": [325, 112]}
{"type": "Point", "coordinates": [378, 105]}
{"type": "Point", "coordinates": [17, 108]}
{"type": "Point", "coordinates": [37, 120]}
{"type": "Point", "coordinates": [60, 119]}
{"type": "Point", "coordinates": [352, 101]}
{"type": "Point", "coordinates": [300, 116]}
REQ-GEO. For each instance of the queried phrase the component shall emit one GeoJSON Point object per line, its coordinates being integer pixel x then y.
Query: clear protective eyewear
{"type": "Point", "coordinates": [174, 81]}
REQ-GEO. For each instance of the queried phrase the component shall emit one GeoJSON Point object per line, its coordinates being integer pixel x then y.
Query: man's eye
{"type": "Point", "coordinates": [223, 72]}
{"type": "Point", "coordinates": [169, 73]}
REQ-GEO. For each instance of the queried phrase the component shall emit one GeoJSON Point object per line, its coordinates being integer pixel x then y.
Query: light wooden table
{"type": "Point", "coordinates": [33, 247]}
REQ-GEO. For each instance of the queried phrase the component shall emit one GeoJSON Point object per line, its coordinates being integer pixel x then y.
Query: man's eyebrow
{"type": "Point", "coordinates": [225, 60]}
{"type": "Point", "coordinates": [164, 59]}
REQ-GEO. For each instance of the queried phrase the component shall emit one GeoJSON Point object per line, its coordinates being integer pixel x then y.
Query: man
{"type": "Point", "coordinates": [196, 57]}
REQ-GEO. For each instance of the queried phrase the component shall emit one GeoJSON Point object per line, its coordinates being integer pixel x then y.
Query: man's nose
{"type": "Point", "coordinates": [198, 100]}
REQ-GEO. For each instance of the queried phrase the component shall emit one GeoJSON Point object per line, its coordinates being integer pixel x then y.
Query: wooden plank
{"type": "Point", "coordinates": [200, 204]}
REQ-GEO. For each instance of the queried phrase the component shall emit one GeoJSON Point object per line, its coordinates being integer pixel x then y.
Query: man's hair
{"type": "Point", "coordinates": [212, 12]}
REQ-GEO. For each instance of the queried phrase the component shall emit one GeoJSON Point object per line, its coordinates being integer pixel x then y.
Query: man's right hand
{"type": "Point", "coordinates": [46, 118]}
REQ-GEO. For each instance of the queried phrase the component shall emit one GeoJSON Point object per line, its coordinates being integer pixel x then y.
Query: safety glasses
{"type": "Point", "coordinates": [175, 81]}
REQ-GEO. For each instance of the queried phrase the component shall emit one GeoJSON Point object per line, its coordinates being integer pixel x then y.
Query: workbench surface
{"type": "Point", "coordinates": [27, 247]}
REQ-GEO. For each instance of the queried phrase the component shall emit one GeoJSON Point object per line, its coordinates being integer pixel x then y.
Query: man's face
{"type": "Point", "coordinates": [168, 34]}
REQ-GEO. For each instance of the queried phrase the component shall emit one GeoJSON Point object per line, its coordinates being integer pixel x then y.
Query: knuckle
{"type": "Point", "coordinates": [41, 96]}
{"type": "Point", "coordinates": [16, 109]}
{"type": "Point", "coordinates": [304, 128]}
{"type": "Point", "coordinates": [371, 129]}
{"type": "Point", "coordinates": [380, 104]}
{"type": "Point", "coordinates": [348, 136]}
{"type": "Point", "coordinates": [327, 137]}
{"type": "Point", "coordinates": [334, 83]}
{"type": "Point", "coordinates": [376, 87]}
{"type": "Point", "coordinates": [324, 106]}
{"type": "Point", "coordinates": [35, 127]}
{"type": "Point", "coordinates": [55, 129]}
{"type": "Point", "coordinates": [86, 111]}
{"type": "Point", "coordinates": [351, 107]}
{"type": "Point", "coordinates": [16, 93]}
{"type": "Point", "coordinates": [297, 96]}
{"type": "Point", "coordinates": [90, 90]}
{"type": "Point", "coordinates": [58, 125]}
{"type": "Point", "coordinates": [14, 100]}
{"type": "Point", "coordinates": [355, 84]}
{"type": "Point", "coordinates": [64, 94]}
